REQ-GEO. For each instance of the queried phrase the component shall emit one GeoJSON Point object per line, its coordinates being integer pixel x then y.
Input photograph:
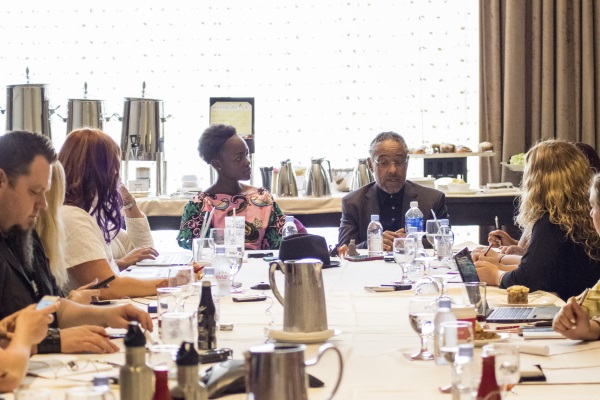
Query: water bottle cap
{"type": "Point", "coordinates": [289, 218]}
{"type": "Point", "coordinates": [375, 217]}
{"type": "Point", "coordinates": [134, 337]}
{"type": "Point", "coordinates": [414, 204]}
{"type": "Point", "coordinates": [465, 350]}
{"type": "Point", "coordinates": [444, 303]}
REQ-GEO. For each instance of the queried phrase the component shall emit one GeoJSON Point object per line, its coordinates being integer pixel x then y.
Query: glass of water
{"type": "Point", "coordinates": [507, 365]}
{"type": "Point", "coordinates": [405, 250]}
{"type": "Point", "coordinates": [421, 312]}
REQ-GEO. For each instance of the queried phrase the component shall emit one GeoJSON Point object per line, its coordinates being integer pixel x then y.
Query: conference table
{"type": "Point", "coordinates": [478, 209]}
{"type": "Point", "coordinates": [373, 334]}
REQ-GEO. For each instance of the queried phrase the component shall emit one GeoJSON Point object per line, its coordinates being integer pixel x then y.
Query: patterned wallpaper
{"type": "Point", "coordinates": [326, 75]}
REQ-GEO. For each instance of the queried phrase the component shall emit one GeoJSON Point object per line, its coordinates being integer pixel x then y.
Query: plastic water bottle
{"type": "Point", "coordinates": [443, 314]}
{"type": "Point", "coordinates": [465, 374]}
{"type": "Point", "coordinates": [414, 217]}
{"type": "Point", "coordinates": [444, 248]}
{"type": "Point", "coordinates": [221, 264]}
{"type": "Point", "coordinates": [375, 237]}
{"type": "Point", "coordinates": [290, 227]}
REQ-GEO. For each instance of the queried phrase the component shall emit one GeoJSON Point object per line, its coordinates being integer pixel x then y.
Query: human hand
{"type": "Point", "coordinates": [487, 272]}
{"type": "Point", "coordinates": [84, 294]}
{"type": "Point", "coordinates": [31, 325]}
{"type": "Point", "coordinates": [388, 238]}
{"type": "Point", "coordinates": [492, 256]}
{"type": "Point", "coordinates": [125, 195]}
{"type": "Point", "coordinates": [499, 238]}
{"type": "Point", "coordinates": [512, 249]}
{"type": "Point", "coordinates": [86, 339]}
{"type": "Point", "coordinates": [137, 254]}
{"type": "Point", "coordinates": [573, 322]}
{"type": "Point", "coordinates": [119, 316]}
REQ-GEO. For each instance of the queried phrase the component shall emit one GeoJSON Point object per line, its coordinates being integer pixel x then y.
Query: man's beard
{"type": "Point", "coordinates": [21, 243]}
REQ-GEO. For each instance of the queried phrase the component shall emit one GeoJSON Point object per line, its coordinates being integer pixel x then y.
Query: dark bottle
{"type": "Point", "coordinates": [488, 387]}
{"type": "Point", "coordinates": [136, 379]}
{"type": "Point", "coordinates": [188, 385]}
{"type": "Point", "coordinates": [207, 324]}
{"type": "Point", "coordinates": [161, 391]}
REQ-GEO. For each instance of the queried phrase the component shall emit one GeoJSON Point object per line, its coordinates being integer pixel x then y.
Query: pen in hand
{"type": "Point", "coordinates": [583, 296]}
{"type": "Point", "coordinates": [487, 250]}
{"type": "Point", "coordinates": [497, 225]}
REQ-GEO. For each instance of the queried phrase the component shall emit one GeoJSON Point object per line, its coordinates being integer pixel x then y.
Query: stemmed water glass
{"type": "Point", "coordinates": [506, 365]}
{"type": "Point", "coordinates": [421, 312]}
{"type": "Point", "coordinates": [235, 255]}
{"type": "Point", "coordinates": [426, 285]}
{"type": "Point", "coordinates": [404, 254]}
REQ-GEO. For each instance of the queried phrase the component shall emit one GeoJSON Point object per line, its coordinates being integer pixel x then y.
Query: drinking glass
{"type": "Point", "coordinates": [440, 274]}
{"type": "Point", "coordinates": [177, 327]}
{"type": "Point", "coordinates": [168, 300]}
{"type": "Point", "coordinates": [182, 277]}
{"type": "Point", "coordinates": [421, 312]}
{"type": "Point", "coordinates": [452, 334]}
{"type": "Point", "coordinates": [506, 365]}
{"type": "Point", "coordinates": [426, 285]}
{"type": "Point", "coordinates": [404, 254]}
{"type": "Point", "coordinates": [203, 250]}
{"type": "Point", "coordinates": [476, 293]}
{"type": "Point", "coordinates": [235, 255]}
{"type": "Point", "coordinates": [218, 236]}
{"type": "Point", "coordinates": [432, 227]}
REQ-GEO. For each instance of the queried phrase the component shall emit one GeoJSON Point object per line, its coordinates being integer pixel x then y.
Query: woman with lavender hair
{"type": "Point", "coordinates": [92, 214]}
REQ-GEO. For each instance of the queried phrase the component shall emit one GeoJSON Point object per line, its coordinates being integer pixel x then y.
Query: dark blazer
{"type": "Point", "coordinates": [16, 289]}
{"type": "Point", "coordinates": [358, 206]}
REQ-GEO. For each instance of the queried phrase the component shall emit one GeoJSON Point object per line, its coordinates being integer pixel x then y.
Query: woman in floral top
{"type": "Point", "coordinates": [227, 153]}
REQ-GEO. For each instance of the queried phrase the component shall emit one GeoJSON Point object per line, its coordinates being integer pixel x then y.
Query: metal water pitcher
{"type": "Point", "coordinates": [286, 182]}
{"type": "Point", "coordinates": [318, 180]}
{"type": "Point", "coordinates": [361, 175]}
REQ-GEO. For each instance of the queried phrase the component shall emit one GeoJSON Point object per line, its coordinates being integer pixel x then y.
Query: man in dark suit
{"type": "Point", "coordinates": [389, 196]}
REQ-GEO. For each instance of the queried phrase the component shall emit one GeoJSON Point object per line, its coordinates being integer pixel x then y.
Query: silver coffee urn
{"type": "Point", "coordinates": [27, 107]}
{"type": "Point", "coordinates": [142, 144]}
{"type": "Point", "coordinates": [84, 113]}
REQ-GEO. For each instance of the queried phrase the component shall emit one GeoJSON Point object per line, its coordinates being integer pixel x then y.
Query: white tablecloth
{"type": "Point", "coordinates": [374, 336]}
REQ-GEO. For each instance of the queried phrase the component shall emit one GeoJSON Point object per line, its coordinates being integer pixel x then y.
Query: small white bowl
{"type": "Point", "coordinates": [459, 187]}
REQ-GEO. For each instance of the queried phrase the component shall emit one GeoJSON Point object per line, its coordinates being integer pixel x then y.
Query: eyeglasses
{"type": "Point", "coordinates": [56, 368]}
{"type": "Point", "coordinates": [385, 162]}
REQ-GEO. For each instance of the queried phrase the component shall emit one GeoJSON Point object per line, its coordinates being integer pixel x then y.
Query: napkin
{"type": "Point", "coordinates": [556, 346]}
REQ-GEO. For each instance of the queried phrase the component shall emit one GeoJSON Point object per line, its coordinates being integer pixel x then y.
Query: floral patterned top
{"type": "Point", "coordinates": [264, 218]}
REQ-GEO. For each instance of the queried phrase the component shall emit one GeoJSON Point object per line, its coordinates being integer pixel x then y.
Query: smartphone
{"type": "Point", "coordinates": [363, 258]}
{"type": "Point", "coordinates": [47, 301]}
{"type": "Point", "coordinates": [104, 283]}
{"type": "Point", "coordinates": [397, 286]}
{"type": "Point", "coordinates": [269, 259]}
{"type": "Point", "coordinates": [389, 258]}
{"type": "Point", "coordinates": [247, 298]}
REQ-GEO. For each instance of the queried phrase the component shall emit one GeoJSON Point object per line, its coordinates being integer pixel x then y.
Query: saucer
{"type": "Point", "coordinates": [462, 192]}
{"type": "Point", "coordinates": [503, 336]}
{"type": "Point", "coordinates": [302, 337]}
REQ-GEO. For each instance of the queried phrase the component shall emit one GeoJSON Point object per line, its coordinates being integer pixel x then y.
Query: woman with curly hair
{"type": "Point", "coordinates": [564, 248]}
{"type": "Point", "coordinates": [92, 214]}
{"type": "Point", "coordinates": [227, 153]}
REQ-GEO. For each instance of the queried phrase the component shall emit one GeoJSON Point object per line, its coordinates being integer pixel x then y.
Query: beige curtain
{"type": "Point", "coordinates": [539, 76]}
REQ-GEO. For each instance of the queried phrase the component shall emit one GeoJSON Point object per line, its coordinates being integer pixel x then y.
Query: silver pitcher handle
{"type": "Point", "coordinates": [322, 350]}
{"type": "Point", "coordinates": [274, 265]}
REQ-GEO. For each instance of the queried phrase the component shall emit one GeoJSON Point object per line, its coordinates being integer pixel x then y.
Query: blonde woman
{"type": "Point", "coordinates": [51, 231]}
{"type": "Point", "coordinates": [564, 248]}
{"type": "Point", "coordinates": [573, 321]}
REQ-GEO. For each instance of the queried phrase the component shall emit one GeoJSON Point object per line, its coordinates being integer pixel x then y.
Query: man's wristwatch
{"type": "Point", "coordinates": [51, 344]}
